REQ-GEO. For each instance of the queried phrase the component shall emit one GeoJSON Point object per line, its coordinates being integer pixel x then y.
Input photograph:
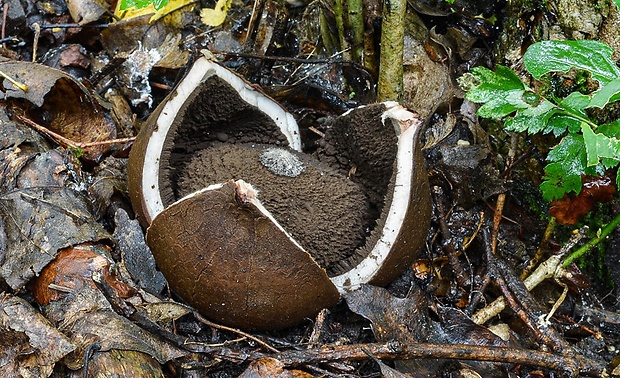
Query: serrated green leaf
{"type": "Point", "coordinates": [576, 103]}
{"type": "Point", "coordinates": [532, 120]}
{"type": "Point", "coordinates": [593, 56]}
{"type": "Point", "coordinates": [558, 181]}
{"type": "Point", "coordinates": [559, 124]}
{"type": "Point", "coordinates": [493, 84]}
{"type": "Point", "coordinates": [612, 129]}
{"type": "Point", "coordinates": [599, 146]}
{"type": "Point", "coordinates": [501, 106]}
{"type": "Point", "coordinates": [617, 2]}
{"type": "Point", "coordinates": [606, 94]}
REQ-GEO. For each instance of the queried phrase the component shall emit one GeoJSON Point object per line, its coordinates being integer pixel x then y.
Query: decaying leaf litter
{"type": "Point", "coordinates": [81, 290]}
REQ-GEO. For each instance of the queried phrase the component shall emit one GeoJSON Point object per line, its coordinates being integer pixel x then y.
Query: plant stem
{"type": "Point", "coordinates": [355, 23]}
{"type": "Point", "coordinates": [340, 22]}
{"type": "Point", "coordinates": [593, 242]}
{"type": "Point", "coordinates": [390, 84]}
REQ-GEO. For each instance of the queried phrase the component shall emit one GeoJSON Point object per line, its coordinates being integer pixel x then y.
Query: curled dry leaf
{"type": "Point", "coordinates": [72, 269]}
{"type": "Point", "coordinates": [61, 104]}
{"type": "Point", "coordinates": [253, 232]}
{"type": "Point", "coordinates": [29, 345]}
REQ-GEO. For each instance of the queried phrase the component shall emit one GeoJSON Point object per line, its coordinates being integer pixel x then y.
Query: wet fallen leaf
{"type": "Point", "coordinates": [173, 5]}
{"type": "Point", "coordinates": [387, 371]}
{"type": "Point", "coordinates": [426, 83]}
{"type": "Point", "coordinates": [403, 319]}
{"type": "Point", "coordinates": [392, 318]}
{"type": "Point", "coordinates": [72, 269]}
{"type": "Point", "coordinates": [29, 345]}
{"type": "Point", "coordinates": [109, 180]}
{"type": "Point", "coordinates": [123, 363]}
{"type": "Point", "coordinates": [62, 104]}
{"type": "Point", "coordinates": [87, 318]}
{"type": "Point", "coordinates": [569, 209]}
{"type": "Point", "coordinates": [38, 222]}
{"type": "Point", "coordinates": [136, 256]}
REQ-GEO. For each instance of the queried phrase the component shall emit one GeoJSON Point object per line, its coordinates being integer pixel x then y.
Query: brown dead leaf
{"type": "Point", "coordinates": [392, 318]}
{"type": "Point", "coordinates": [569, 209]}
{"type": "Point", "coordinates": [87, 318]}
{"type": "Point", "coordinates": [38, 222]}
{"type": "Point", "coordinates": [403, 319]}
{"type": "Point", "coordinates": [123, 363]}
{"type": "Point", "coordinates": [29, 345]}
{"type": "Point", "coordinates": [86, 11]}
{"type": "Point", "coordinates": [62, 104]}
{"type": "Point", "coordinates": [271, 368]}
{"type": "Point", "coordinates": [72, 269]}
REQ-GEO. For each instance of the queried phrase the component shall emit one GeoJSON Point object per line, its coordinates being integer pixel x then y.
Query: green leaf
{"type": "Point", "coordinates": [611, 130]}
{"type": "Point", "coordinates": [532, 120]}
{"type": "Point", "coordinates": [593, 56]}
{"type": "Point", "coordinates": [568, 163]}
{"type": "Point", "coordinates": [557, 182]}
{"type": "Point", "coordinates": [576, 103]}
{"type": "Point", "coordinates": [606, 94]}
{"type": "Point", "coordinates": [501, 92]}
{"type": "Point", "coordinates": [503, 105]}
{"type": "Point", "coordinates": [158, 4]}
{"type": "Point", "coordinates": [599, 146]}
{"type": "Point", "coordinates": [617, 2]}
{"type": "Point", "coordinates": [559, 124]}
{"type": "Point", "coordinates": [138, 4]}
{"type": "Point", "coordinates": [493, 84]}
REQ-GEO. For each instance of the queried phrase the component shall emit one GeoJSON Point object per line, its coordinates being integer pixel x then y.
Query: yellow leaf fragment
{"type": "Point", "coordinates": [217, 15]}
{"type": "Point", "coordinates": [133, 12]}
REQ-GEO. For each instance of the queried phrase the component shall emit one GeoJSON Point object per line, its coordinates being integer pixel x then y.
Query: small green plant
{"type": "Point", "coordinates": [586, 147]}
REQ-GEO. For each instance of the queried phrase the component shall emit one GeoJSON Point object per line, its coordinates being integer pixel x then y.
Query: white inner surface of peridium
{"type": "Point", "coordinates": [406, 126]}
{"type": "Point", "coordinates": [200, 71]}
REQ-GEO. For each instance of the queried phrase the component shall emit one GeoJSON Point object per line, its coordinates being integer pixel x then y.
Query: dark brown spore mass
{"type": "Point", "coordinates": [323, 211]}
{"type": "Point", "coordinates": [213, 113]}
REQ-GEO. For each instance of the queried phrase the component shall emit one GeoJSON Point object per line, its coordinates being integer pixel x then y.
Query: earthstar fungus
{"type": "Point", "coordinates": [256, 233]}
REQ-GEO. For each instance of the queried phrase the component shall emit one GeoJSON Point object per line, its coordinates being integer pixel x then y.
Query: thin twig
{"type": "Point", "coordinates": [35, 42]}
{"type": "Point", "coordinates": [282, 58]}
{"type": "Point", "coordinates": [68, 143]}
{"type": "Point", "coordinates": [460, 271]}
{"type": "Point", "coordinates": [396, 351]}
{"type": "Point", "coordinates": [19, 85]}
{"type": "Point", "coordinates": [542, 247]}
{"type": "Point", "coordinates": [5, 10]}
{"type": "Point", "coordinates": [201, 319]}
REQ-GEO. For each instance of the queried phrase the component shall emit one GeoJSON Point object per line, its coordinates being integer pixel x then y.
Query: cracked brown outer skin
{"type": "Point", "coordinates": [412, 236]}
{"type": "Point", "coordinates": [135, 166]}
{"type": "Point", "coordinates": [234, 265]}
